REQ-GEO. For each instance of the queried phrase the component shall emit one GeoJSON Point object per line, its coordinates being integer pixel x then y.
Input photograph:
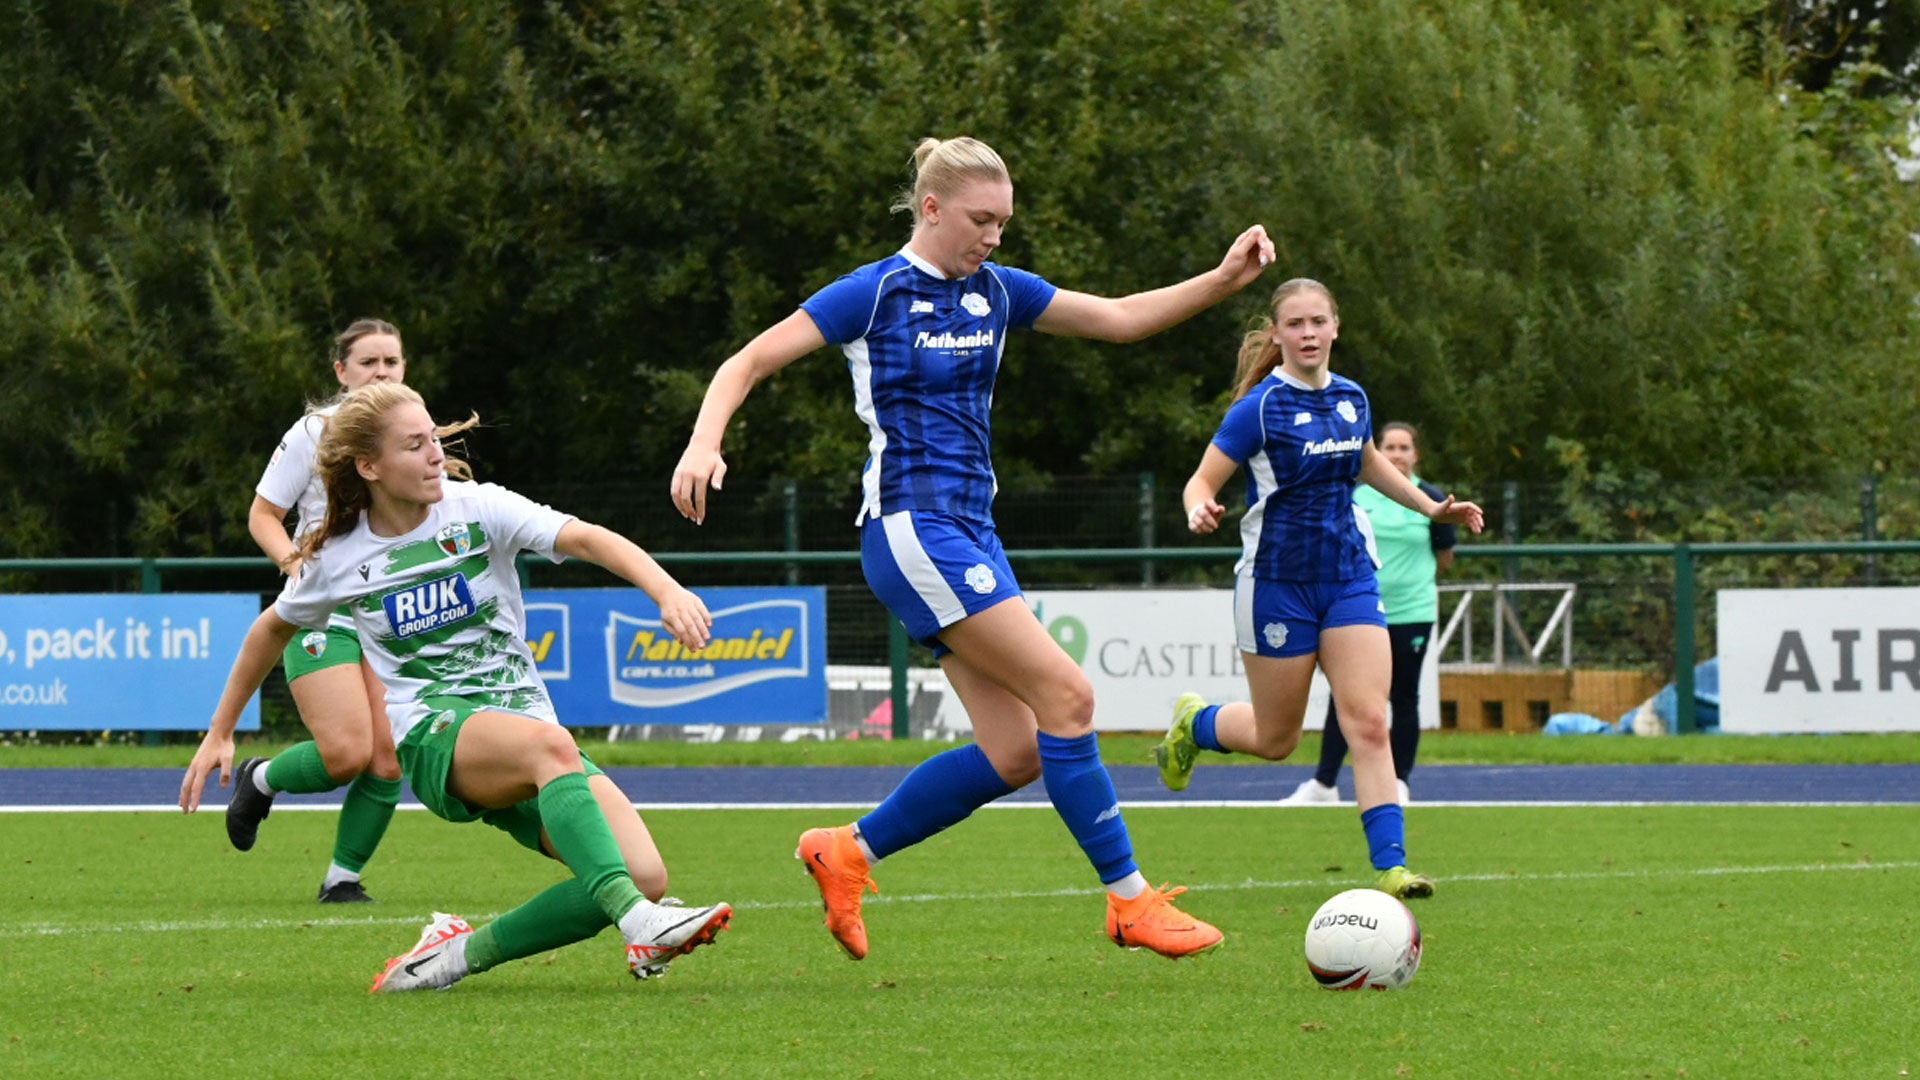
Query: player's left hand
{"type": "Point", "coordinates": [1205, 517]}
{"type": "Point", "coordinates": [1454, 512]}
{"type": "Point", "coordinates": [685, 617]}
{"type": "Point", "coordinates": [1251, 252]}
{"type": "Point", "coordinates": [213, 752]}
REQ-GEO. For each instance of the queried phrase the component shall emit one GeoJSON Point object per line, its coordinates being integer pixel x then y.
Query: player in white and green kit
{"type": "Point", "coordinates": [425, 565]}
{"type": "Point", "coordinates": [338, 698]}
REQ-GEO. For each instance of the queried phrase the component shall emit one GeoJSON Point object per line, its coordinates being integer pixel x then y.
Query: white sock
{"type": "Point", "coordinates": [459, 948]}
{"type": "Point", "coordinates": [865, 851]}
{"type": "Point", "coordinates": [260, 781]}
{"type": "Point", "coordinates": [635, 919]}
{"type": "Point", "coordinates": [337, 874]}
{"type": "Point", "coordinates": [1128, 887]}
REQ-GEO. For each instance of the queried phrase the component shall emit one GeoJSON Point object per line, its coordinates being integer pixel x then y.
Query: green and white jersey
{"type": "Point", "coordinates": [438, 610]}
{"type": "Point", "coordinates": [292, 480]}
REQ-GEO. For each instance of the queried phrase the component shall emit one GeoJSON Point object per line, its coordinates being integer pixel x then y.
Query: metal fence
{"type": "Point", "coordinates": [1637, 604]}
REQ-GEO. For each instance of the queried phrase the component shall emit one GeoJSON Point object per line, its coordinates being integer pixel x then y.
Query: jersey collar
{"type": "Point", "coordinates": [1297, 383]}
{"type": "Point", "coordinates": [920, 264]}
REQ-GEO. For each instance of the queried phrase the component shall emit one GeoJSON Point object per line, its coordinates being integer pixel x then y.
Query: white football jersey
{"type": "Point", "coordinates": [438, 610]}
{"type": "Point", "coordinates": [291, 479]}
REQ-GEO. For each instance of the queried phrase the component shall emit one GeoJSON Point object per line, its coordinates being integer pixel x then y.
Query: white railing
{"type": "Point", "coordinates": [1505, 618]}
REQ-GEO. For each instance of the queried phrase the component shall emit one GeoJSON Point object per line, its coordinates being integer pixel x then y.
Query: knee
{"type": "Point", "coordinates": [554, 750]}
{"type": "Point", "coordinates": [1365, 728]}
{"type": "Point", "coordinates": [1018, 767]}
{"type": "Point", "coordinates": [1068, 709]}
{"type": "Point", "coordinates": [650, 880]}
{"type": "Point", "coordinates": [385, 768]}
{"type": "Point", "coordinates": [345, 759]}
{"type": "Point", "coordinates": [1275, 745]}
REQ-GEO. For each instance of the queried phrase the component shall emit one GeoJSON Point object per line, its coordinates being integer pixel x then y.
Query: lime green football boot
{"type": "Point", "coordinates": [1177, 752]}
{"type": "Point", "coordinates": [1404, 883]}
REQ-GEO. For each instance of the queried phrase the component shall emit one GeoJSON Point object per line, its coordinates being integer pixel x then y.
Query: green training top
{"type": "Point", "coordinates": [1407, 541]}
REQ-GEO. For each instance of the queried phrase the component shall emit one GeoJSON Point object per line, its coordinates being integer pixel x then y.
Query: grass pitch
{"type": "Point", "coordinates": [1615, 942]}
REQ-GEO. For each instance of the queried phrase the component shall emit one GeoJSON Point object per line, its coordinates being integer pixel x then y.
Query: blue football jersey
{"type": "Point", "coordinates": [923, 350]}
{"type": "Point", "coordinates": [1301, 451]}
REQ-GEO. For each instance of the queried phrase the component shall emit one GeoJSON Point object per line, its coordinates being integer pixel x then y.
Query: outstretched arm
{"type": "Point", "coordinates": [777, 346]}
{"type": "Point", "coordinates": [1379, 474]}
{"type": "Point", "coordinates": [1130, 318]}
{"type": "Point", "coordinates": [681, 612]}
{"type": "Point", "coordinates": [1203, 512]}
{"type": "Point", "coordinates": [266, 639]}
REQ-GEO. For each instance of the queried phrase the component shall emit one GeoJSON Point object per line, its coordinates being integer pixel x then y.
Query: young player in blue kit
{"type": "Point", "coordinates": [923, 331]}
{"type": "Point", "coordinates": [1305, 590]}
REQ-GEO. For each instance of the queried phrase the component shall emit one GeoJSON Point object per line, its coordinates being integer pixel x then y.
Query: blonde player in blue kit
{"type": "Point", "coordinates": [426, 566]}
{"type": "Point", "coordinates": [923, 331]}
{"type": "Point", "coordinates": [1305, 590]}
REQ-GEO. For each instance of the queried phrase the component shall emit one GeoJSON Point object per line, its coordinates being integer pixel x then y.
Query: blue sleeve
{"type": "Point", "coordinates": [1027, 295]}
{"type": "Point", "coordinates": [1441, 537]}
{"type": "Point", "coordinates": [1241, 433]}
{"type": "Point", "coordinates": [844, 309]}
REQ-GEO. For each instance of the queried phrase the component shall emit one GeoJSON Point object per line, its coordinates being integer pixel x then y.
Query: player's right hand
{"type": "Point", "coordinates": [698, 467]}
{"type": "Point", "coordinates": [213, 751]}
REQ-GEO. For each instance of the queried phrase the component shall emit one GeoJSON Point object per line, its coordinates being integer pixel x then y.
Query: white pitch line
{"type": "Point", "coordinates": [1155, 804]}
{"type": "Point", "coordinates": [45, 929]}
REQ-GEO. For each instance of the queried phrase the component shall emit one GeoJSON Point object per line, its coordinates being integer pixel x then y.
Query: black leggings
{"type": "Point", "coordinates": [1409, 642]}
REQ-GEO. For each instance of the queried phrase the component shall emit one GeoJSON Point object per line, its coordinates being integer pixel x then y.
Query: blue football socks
{"type": "Point", "coordinates": [1386, 835]}
{"type": "Point", "coordinates": [939, 792]}
{"type": "Point", "coordinates": [1083, 794]}
{"type": "Point", "coordinates": [1203, 735]}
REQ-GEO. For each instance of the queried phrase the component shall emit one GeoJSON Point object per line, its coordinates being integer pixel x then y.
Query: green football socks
{"type": "Point", "coordinates": [584, 841]}
{"type": "Point", "coordinates": [561, 915]}
{"type": "Point", "coordinates": [299, 769]}
{"type": "Point", "coordinates": [363, 819]}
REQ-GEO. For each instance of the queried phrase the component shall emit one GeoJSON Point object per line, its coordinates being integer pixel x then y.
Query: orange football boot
{"type": "Point", "coordinates": [833, 858]}
{"type": "Point", "coordinates": [1150, 921]}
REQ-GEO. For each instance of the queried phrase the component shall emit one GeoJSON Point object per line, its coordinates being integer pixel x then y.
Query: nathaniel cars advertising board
{"type": "Point", "coordinates": [118, 661]}
{"type": "Point", "coordinates": [1142, 649]}
{"type": "Point", "coordinates": [607, 660]}
{"type": "Point", "coordinates": [1799, 660]}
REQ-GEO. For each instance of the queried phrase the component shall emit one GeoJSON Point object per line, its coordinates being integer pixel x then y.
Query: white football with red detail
{"type": "Point", "coordinates": [1363, 938]}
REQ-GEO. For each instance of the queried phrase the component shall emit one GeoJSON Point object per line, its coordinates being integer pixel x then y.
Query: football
{"type": "Point", "coordinates": [1361, 938]}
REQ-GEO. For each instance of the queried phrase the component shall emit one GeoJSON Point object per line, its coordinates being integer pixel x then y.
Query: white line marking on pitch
{"type": "Point", "coordinates": [1158, 804]}
{"type": "Point", "coordinates": [44, 929]}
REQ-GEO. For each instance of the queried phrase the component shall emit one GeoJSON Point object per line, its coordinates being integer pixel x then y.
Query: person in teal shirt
{"type": "Point", "coordinates": [1413, 551]}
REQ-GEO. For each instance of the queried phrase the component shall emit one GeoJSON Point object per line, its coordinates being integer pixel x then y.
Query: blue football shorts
{"type": "Point", "coordinates": [1284, 618]}
{"type": "Point", "coordinates": [932, 570]}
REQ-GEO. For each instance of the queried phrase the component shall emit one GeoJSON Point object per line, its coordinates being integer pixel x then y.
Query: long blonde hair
{"type": "Point", "coordinates": [1259, 350]}
{"type": "Point", "coordinates": [353, 432]}
{"type": "Point", "coordinates": [943, 166]}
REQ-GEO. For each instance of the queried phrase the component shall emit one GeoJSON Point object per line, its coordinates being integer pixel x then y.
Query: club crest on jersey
{"type": "Point", "coordinates": [440, 721]}
{"type": "Point", "coordinates": [975, 304]}
{"type": "Point", "coordinates": [456, 540]}
{"type": "Point", "coordinates": [1276, 635]}
{"type": "Point", "coordinates": [314, 644]}
{"type": "Point", "coordinates": [1347, 413]}
{"type": "Point", "coordinates": [429, 605]}
{"type": "Point", "coordinates": [980, 578]}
